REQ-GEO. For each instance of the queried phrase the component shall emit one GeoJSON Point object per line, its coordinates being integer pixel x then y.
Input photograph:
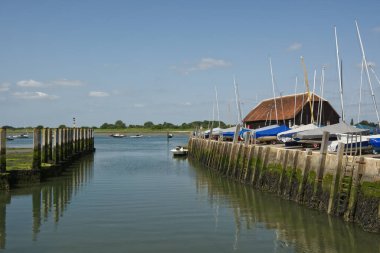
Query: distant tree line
{"type": "Point", "coordinates": [166, 125]}
{"type": "Point", "coordinates": [119, 124]}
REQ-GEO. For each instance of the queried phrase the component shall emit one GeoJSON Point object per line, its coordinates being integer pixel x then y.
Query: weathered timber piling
{"type": "Point", "coordinates": [52, 149]}
{"type": "Point", "coordinates": [3, 154]}
{"type": "Point", "coordinates": [341, 185]}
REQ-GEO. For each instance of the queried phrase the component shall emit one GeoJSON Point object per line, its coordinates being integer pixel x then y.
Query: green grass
{"type": "Point", "coordinates": [371, 189]}
{"type": "Point", "coordinates": [19, 159]}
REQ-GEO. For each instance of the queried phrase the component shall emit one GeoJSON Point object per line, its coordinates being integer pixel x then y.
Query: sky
{"type": "Point", "coordinates": [161, 61]}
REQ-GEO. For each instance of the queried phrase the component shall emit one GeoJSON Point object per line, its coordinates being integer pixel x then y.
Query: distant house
{"type": "Point", "coordinates": [291, 110]}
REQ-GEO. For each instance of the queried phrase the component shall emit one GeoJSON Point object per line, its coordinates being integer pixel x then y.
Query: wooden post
{"type": "Point", "coordinates": [3, 150]}
{"type": "Point", "coordinates": [60, 144]}
{"type": "Point", "coordinates": [336, 178]}
{"type": "Point", "coordinates": [50, 144]}
{"type": "Point", "coordinates": [321, 166]}
{"type": "Point", "coordinates": [44, 145]}
{"type": "Point", "coordinates": [36, 149]}
{"type": "Point", "coordinates": [56, 148]}
{"type": "Point", "coordinates": [353, 199]}
{"type": "Point", "coordinates": [236, 135]}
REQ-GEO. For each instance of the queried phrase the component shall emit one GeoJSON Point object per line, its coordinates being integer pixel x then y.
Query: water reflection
{"type": "Point", "coordinates": [51, 198]}
{"type": "Point", "coordinates": [297, 228]}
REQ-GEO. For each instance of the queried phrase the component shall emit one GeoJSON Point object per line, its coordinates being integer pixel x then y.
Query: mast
{"type": "Point", "coordinates": [366, 68]}
{"type": "Point", "coordinates": [308, 90]}
{"type": "Point", "coordinates": [237, 102]}
{"type": "Point", "coordinates": [217, 106]}
{"type": "Point", "coordinates": [322, 87]}
{"type": "Point", "coordinates": [360, 91]}
{"type": "Point", "coordinates": [274, 95]}
{"type": "Point", "coordinates": [339, 74]}
{"type": "Point", "coordinates": [295, 100]}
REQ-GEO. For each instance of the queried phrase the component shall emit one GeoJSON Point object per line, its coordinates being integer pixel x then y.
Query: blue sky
{"type": "Point", "coordinates": [146, 60]}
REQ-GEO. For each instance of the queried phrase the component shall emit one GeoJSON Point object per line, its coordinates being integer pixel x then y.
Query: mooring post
{"type": "Point", "coordinates": [50, 144]}
{"type": "Point", "coordinates": [336, 179]}
{"type": "Point", "coordinates": [355, 185]}
{"type": "Point", "coordinates": [36, 149]}
{"type": "Point", "coordinates": [60, 144]}
{"type": "Point", "coordinates": [81, 140]}
{"type": "Point", "coordinates": [56, 147]}
{"type": "Point", "coordinates": [3, 150]}
{"type": "Point", "coordinates": [75, 140]}
{"type": "Point", "coordinates": [321, 166]}
{"type": "Point", "coordinates": [44, 145]}
{"type": "Point", "coordinates": [305, 174]}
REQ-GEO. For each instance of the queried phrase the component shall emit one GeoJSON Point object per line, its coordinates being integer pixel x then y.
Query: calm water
{"type": "Point", "coordinates": [132, 196]}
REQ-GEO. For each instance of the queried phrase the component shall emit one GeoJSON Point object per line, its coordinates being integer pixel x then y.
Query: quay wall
{"type": "Point", "coordinates": [340, 185]}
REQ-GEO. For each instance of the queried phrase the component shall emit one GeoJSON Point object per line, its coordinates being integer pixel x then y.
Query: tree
{"type": "Point", "coordinates": [148, 124]}
{"type": "Point", "coordinates": [62, 126]}
{"type": "Point", "coordinates": [120, 124]}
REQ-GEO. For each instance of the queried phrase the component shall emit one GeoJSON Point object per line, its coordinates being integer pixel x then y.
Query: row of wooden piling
{"type": "Point", "coordinates": [53, 145]}
{"type": "Point", "coordinates": [328, 182]}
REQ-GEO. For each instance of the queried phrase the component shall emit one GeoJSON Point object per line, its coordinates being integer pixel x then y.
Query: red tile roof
{"type": "Point", "coordinates": [285, 107]}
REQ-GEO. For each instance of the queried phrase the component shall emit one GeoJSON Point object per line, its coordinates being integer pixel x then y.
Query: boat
{"type": "Point", "coordinates": [170, 135]}
{"type": "Point", "coordinates": [287, 136]}
{"type": "Point", "coordinates": [179, 151]}
{"type": "Point", "coordinates": [10, 138]}
{"type": "Point", "coordinates": [136, 136]}
{"type": "Point", "coordinates": [117, 135]}
{"type": "Point", "coordinates": [269, 134]}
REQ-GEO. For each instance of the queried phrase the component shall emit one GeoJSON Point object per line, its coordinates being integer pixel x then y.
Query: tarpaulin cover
{"type": "Point", "coordinates": [261, 132]}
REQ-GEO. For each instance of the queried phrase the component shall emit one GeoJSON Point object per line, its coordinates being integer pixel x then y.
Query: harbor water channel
{"type": "Point", "coordinates": [131, 195]}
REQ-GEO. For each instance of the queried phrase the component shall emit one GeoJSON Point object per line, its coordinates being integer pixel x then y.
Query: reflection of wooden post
{"type": "Point", "coordinates": [36, 149]}
{"type": "Point", "coordinates": [3, 149]}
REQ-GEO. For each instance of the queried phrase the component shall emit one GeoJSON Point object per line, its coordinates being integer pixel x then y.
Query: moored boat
{"type": "Point", "coordinates": [179, 151]}
{"type": "Point", "coordinates": [117, 135]}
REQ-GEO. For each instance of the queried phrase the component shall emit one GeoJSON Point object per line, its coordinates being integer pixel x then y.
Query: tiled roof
{"type": "Point", "coordinates": [285, 107]}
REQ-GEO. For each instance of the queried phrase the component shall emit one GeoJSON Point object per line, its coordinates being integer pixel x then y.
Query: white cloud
{"type": "Point", "coordinates": [138, 105]}
{"type": "Point", "coordinates": [187, 104]}
{"type": "Point", "coordinates": [203, 64]}
{"type": "Point", "coordinates": [295, 46]}
{"type": "Point", "coordinates": [34, 95]}
{"type": "Point", "coordinates": [29, 83]}
{"type": "Point", "coordinates": [66, 82]}
{"type": "Point", "coordinates": [98, 94]}
{"type": "Point", "coordinates": [4, 87]}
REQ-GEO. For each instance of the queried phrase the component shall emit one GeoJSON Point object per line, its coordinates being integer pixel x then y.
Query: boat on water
{"type": "Point", "coordinates": [117, 135]}
{"type": "Point", "coordinates": [136, 136]}
{"type": "Point", "coordinates": [170, 135]}
{"type": "Point", "coordinates": [10, 138]}
{"type": "Point", "coordinates": [179, 151]}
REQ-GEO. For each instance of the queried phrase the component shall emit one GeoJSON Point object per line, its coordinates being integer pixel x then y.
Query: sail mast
{"type": "Point", "coordinates": [368, 76]}
{"type": "Point", "coordinates": [339, 74]}
{"type": "Point", "coordinates": [217, 106]}
{"type": "Point", "coordinates": [360, 91]}
{"type": "Point", "coordinates": [295, 100]}
{"type": "Point", "coordinates": [274, 95]}
{"type": "Point", "coordinates": [237, 101]}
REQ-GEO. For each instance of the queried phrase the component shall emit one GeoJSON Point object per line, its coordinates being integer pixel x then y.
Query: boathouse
{"type": "Point", "coordinates": [291, 110]}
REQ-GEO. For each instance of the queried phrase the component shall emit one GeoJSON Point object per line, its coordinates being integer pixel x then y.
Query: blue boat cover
{"type": "Point", "coordinates": [271, 131]}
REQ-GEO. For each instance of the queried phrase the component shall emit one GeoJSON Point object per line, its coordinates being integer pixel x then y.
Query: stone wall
{"type": "Point", "coordinates": [340, 185]}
